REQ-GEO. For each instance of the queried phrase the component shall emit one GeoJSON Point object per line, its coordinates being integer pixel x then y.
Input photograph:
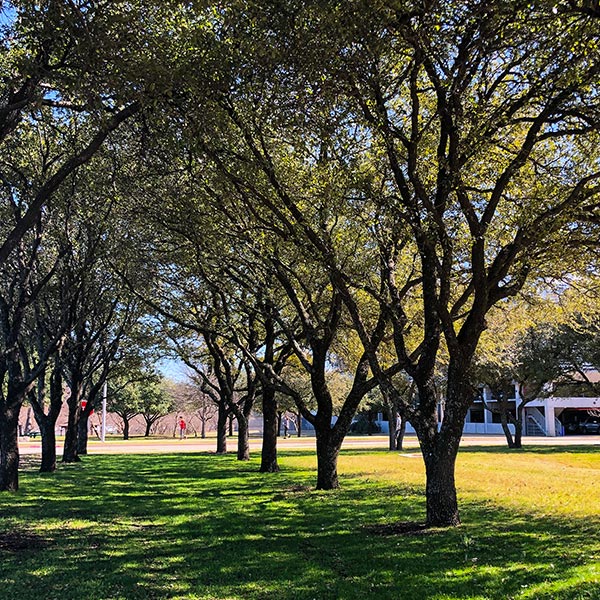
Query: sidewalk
{"type": "Point", "coordinates": [155, 446]}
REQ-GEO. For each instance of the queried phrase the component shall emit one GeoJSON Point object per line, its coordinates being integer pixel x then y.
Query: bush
{"type": "Point", "coordinates": [364, 425]}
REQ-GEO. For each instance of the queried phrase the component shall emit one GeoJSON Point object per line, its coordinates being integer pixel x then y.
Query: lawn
{"type": "Point", "coordinates": [199, 526]}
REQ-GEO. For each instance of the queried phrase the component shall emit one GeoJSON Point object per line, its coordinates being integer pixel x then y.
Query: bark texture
{"type": "Point", "coordinates": [269, 462]}
{"type": "Point", "coordinates": [9, 448]}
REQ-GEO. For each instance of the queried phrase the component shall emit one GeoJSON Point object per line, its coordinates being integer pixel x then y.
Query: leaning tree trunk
{"type": "Point", "coordinates": [9, 447]}
{"type": "Point", "coordinates": [222, 430]}
{"type": "Point", "coordinates": [328, 449]}
{"type": "Point", "coordinates": [269, 443]}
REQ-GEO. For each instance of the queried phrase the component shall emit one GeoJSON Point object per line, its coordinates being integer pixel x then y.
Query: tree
{"type": "Point", "coordinates": [454, 122]}
{"type": "Point", "coordinates": [73, 62]}
{"type": "Point", "coordinates": [196, 402]}
{"type": "Point", "coordinates": [25, 344]}
{"type": "Point", "coordinates": [155, 401]}
{"type": "Point", "coordinates": [123, 398]}
{"type": "Point", "coordinates": [525, 366]}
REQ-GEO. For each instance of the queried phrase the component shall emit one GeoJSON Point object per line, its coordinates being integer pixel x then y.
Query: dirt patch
{"type": "Point", "coordinates": [400, 528]}
{"type": "Point", "coordinates": [22, 541]}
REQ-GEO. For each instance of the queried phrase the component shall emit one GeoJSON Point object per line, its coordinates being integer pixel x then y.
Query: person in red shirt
{"type": "Point", "coordinates": [182, 428]}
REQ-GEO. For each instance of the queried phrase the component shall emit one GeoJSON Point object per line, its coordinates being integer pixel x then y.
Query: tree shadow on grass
{"type": "Point", "coordinates": [532, 449]}
{"type": "Point", "coordinates": [190, 526]}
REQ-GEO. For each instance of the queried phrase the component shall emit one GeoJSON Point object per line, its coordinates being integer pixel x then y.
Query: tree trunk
{"type": "Point", "coordinates": [28, 421]}
{"type": "Point", "coordinates": [505, 428]}
{"type": "Point", "coordinates": [400, 433]}
{"type": "Point", "coordinates": [328, 449]}
{"type": "Point", "coordinates": [9, 448]}
{"type": "Point", "coordinates": [518, 432]}
{"type": "Point", "coordinates": [392, 416]}
{"type": "Point", "coordinates": [299, 423]}
{"type": "Point", "coordinates": [82, 433]}
{"type": "Point", "coordinates": [70, 451]}
{"type": "Point", "coordinates": [442, 504]}
{"type": "Point", "coordinates": [148, 427]}
{"type": "Point", "coordinates": [269, 443]}
{"type": "Point", "coordinates": [125, 428]}
{"type": "Point", "coordinates": [48, 446]}
{"type": "Point", "coordinates": [230, 425]}
{"type": "Point", "coordinates": [222, 431]}
{"type": "Point", "coordinates": [243, 450]}
{"type": "Point", "coordinates": [439, 448]}
{"type": "Point", "coordinates": [71, 447]}
{"type": "Point", "coordinates": [203, 430]}
{"type": "Point", "coordinates": [47, 422]}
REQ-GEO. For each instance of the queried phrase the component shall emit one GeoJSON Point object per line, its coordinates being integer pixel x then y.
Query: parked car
{"type": "Point", "coordinates": [590, 425]}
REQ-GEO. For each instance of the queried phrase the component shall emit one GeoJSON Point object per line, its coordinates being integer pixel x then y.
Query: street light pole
{"type": "Point", "coordinates": [104, 394]}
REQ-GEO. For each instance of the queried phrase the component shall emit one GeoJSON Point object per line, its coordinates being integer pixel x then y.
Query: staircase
{"type": "Point", "coordinates": [533, 427]}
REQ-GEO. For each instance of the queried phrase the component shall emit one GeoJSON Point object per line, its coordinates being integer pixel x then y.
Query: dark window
{"type": "Point", "coordinates": [476, 415]}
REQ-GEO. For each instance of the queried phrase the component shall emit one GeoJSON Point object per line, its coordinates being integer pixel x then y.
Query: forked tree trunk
{"type": "Point", "coordinates": [269, 462]}
{"type": "Point", "coordinates": [9, 448]}
{"type": "Point", "coordinates": [328, 450]}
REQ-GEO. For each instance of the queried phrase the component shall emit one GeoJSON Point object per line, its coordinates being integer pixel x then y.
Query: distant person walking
{"type": "Point", "coordinates": [286, 427]}
{"type": "Point", "coordinates": [182, 428]}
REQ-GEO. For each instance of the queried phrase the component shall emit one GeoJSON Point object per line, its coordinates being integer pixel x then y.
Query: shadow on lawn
{"type": "Point", "coordinates": [533, 449]}
{"type": "Point", "coordinates": [197, 526]}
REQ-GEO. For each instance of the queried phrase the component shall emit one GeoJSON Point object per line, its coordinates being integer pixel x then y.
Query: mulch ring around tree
{"type": "Point", "coordinates": [399, 528]}
{"type": "Point", "coordinates": [22, 541]}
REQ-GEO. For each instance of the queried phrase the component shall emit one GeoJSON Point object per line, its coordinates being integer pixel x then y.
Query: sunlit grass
{"type": "Point", "coordinates": [199, 526]}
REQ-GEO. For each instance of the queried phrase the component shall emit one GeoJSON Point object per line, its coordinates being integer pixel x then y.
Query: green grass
{"type": "Point", "coordinates": [203, 526]}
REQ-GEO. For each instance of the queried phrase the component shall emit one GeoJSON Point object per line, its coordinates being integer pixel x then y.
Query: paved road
{"type": "Point", "coordinates": [145, 446]}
